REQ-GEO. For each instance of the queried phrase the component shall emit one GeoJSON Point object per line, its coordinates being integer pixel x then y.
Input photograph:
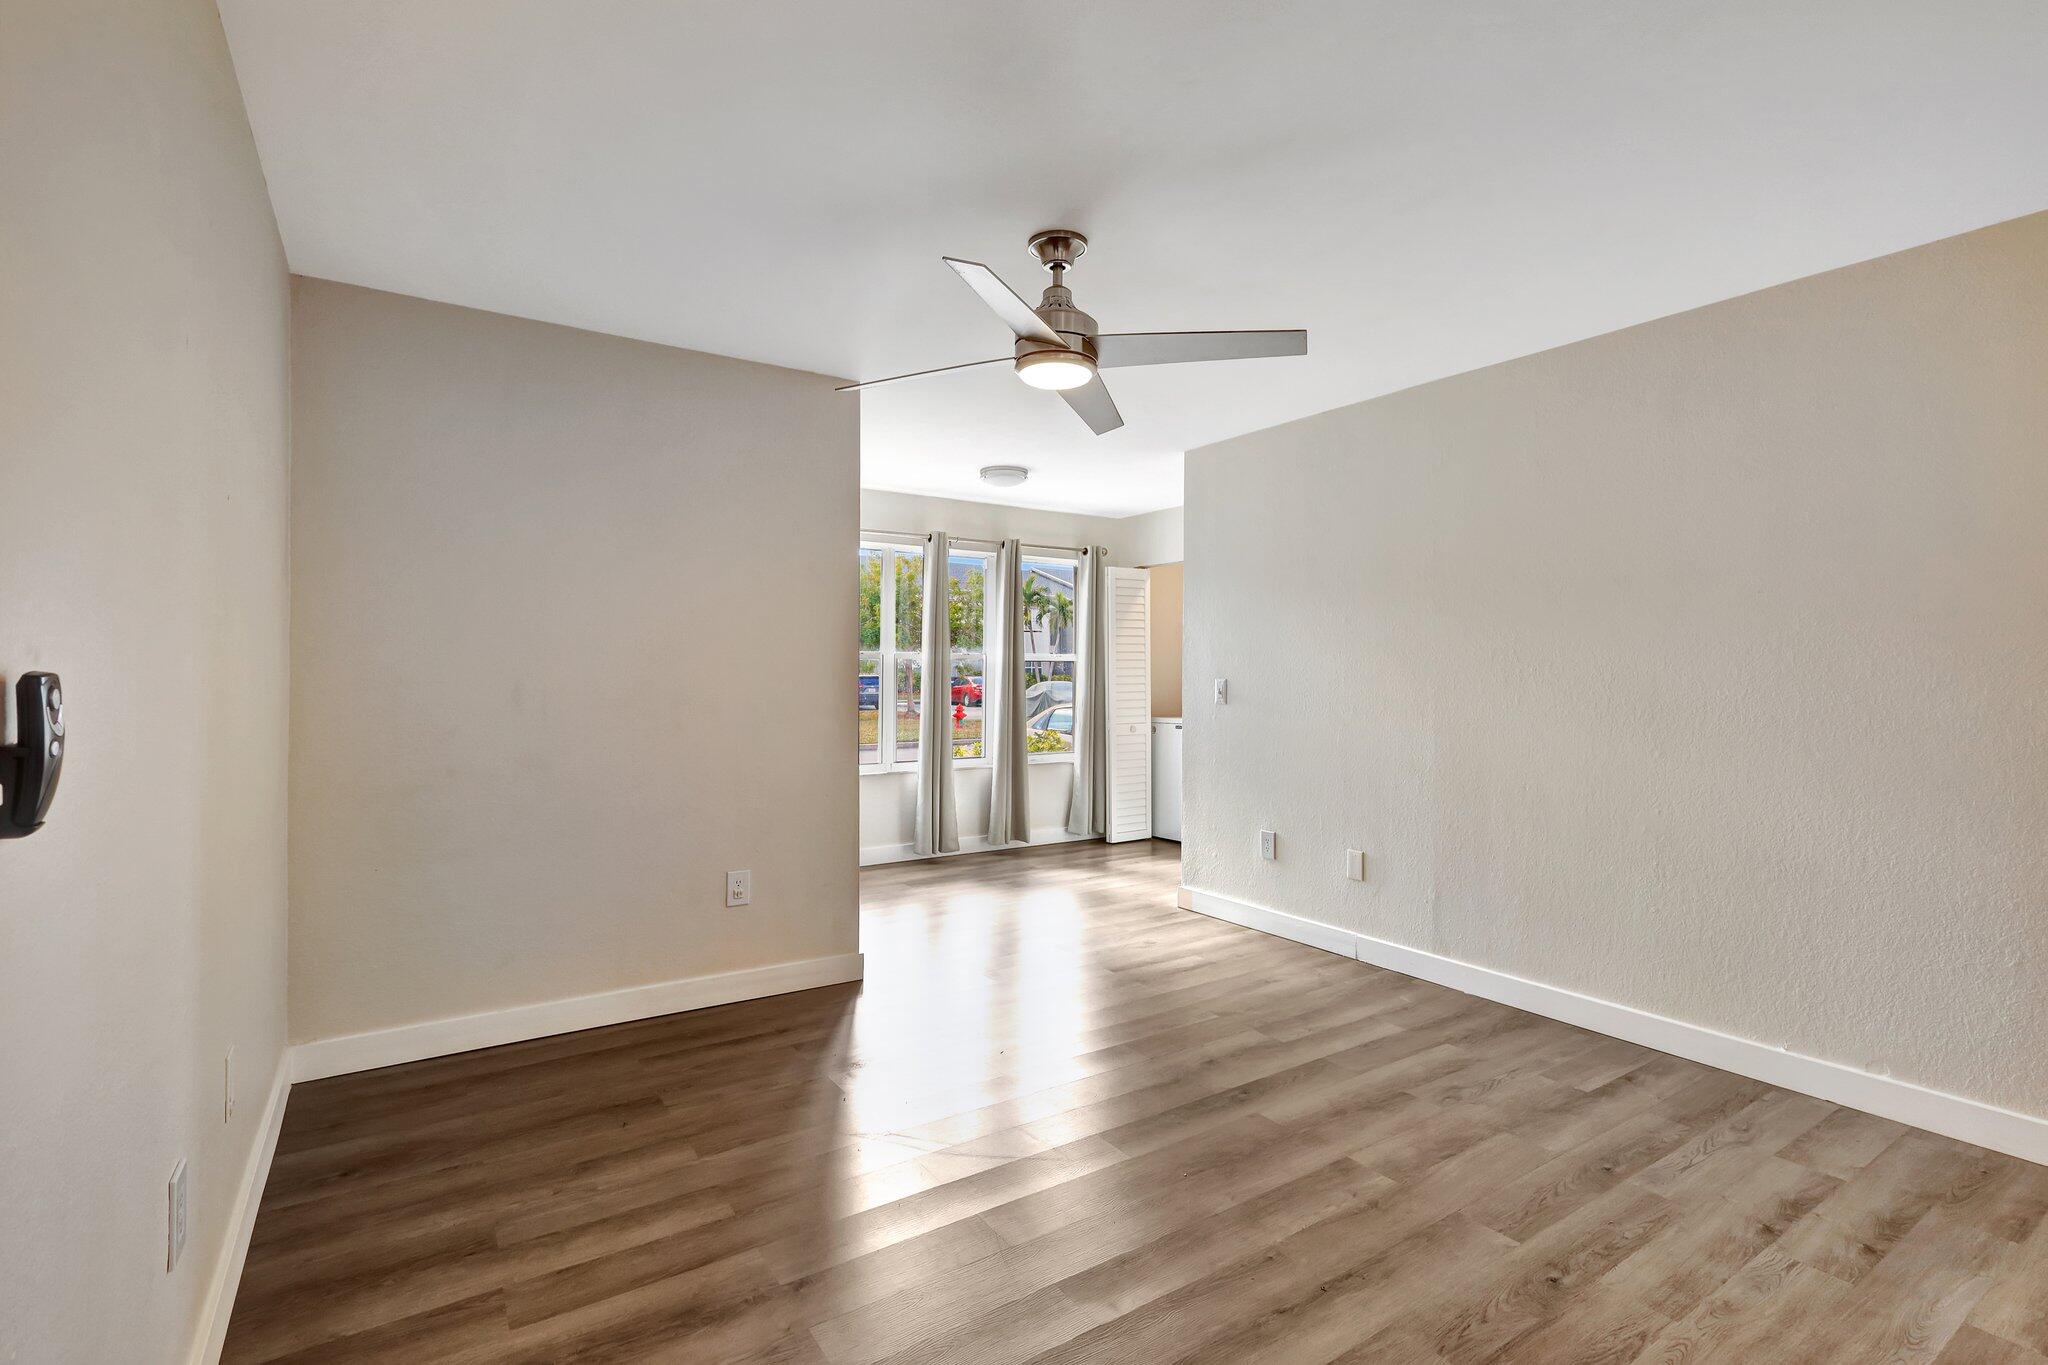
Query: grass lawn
{"type": "Point", "coordinates": [869, 723]}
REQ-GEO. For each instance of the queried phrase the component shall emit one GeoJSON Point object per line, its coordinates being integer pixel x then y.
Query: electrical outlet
{"type": "Point", "coordinates": [1269, 845]}
{"type": "Point", "coordinates": [179, 1205]}
{"type": "Point", "coordinates": [1222, 691]}
{"type": "Point", "coordinates": [739, 887]}
{"type": "Point", "coordinates": [1354, 864]}
{"type": "Point", "coordinates": [227, 1079]}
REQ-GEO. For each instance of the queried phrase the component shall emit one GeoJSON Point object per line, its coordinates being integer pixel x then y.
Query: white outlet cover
{"type": "Point", "coordinates": [228, 1087]}
{"type": "Point", "coordinates": [1222, 691]}
{"type": "Point", "coordinates": [739, 887]}
{"type": "Point", "coordinates": [1269, 844]}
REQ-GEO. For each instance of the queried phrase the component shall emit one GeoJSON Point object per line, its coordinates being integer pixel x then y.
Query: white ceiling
{"type": "Point", "coordinates": [1427, 187]}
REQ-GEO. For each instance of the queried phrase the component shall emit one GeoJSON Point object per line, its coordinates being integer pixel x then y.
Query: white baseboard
{"type": "Point", "coordinates": [1314, 933]}
{"type": "Point", "coordinates": [439, 1037]}
{"type": "Point", "coordinates": [2002, 1130]}
{"type": "Point", "coordinates": [212, 1331]}
{"type": "Point", "coordinates": [876, 854]}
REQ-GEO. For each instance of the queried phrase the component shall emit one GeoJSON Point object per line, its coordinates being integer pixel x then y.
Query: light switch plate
{"type": "Point", "coordinates": [1354, 864]}
{"type": "Point", "coordinates": [1222, 691]}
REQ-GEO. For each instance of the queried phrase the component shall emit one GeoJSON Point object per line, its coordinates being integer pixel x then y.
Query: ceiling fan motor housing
{"type": "Point", "coordinates": [1057, 249]}
{"type": "Point", "coordinates": [1075, 327]}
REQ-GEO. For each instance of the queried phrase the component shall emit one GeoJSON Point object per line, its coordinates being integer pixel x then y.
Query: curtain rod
{"type": "Point", "coordinates": [917, 538]}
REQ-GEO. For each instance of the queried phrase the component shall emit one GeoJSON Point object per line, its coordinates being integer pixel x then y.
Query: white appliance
{"type": "Point", "coordinates": [1166, 735]}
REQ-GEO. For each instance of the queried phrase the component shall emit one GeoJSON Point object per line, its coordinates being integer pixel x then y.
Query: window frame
{"type": "Point", "coordinates": [954, 652]}
{"type": "Point", "coordinates": [1072, 660]}
{"type": "Point", "coordinates": [890, 546]}
{"type": "Point", "coordinates": [893, 549]}
{"type": "Point", "coordinates": [887, 656]}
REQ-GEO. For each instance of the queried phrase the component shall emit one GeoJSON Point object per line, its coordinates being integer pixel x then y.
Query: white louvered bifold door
{"type": "Point", "coordinates": [1129, 675]}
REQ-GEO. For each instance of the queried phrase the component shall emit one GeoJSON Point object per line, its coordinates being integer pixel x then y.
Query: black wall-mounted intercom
{"type": "Point", "coordinates": [29, 770]}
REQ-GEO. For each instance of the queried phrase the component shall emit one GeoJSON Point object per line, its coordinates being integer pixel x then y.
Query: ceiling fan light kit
{"type": "Point", "coordinates": [1059, 348]}
{"type": "Point", "coordinates": [1053, 369]}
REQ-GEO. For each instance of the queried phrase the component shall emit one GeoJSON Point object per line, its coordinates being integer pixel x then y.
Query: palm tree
{"type": "Point", "coordinates": [1037, 603]}
{"type": "Point", "coordinates": [1061, 613]}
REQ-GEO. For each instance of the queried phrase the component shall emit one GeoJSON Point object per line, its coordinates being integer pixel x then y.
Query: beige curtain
{"type": "Point", "coordinates": [1009, 806]}
{"type": "Point", "coordinates": [938, 822]}
{"type": "Point", "coordinates": [1091, 704]}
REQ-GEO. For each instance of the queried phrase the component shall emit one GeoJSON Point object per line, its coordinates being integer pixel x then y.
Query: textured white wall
{"type": "Point", "coordinates": [571, 623]}
{"type": "Point", "coordinates": [143, 459]}
{"type": "Point", "coordinates": [1699, 667]}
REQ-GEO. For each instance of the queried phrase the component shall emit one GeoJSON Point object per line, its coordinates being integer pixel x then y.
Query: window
{"type": "Point", "coordinates": [887, 669]}
{"type": "Point", "coordinates": [1049, 626]}
{"type": "Point", "coordinates": [890, 666]}
{"type": "Point", "coordinates": [874, 565]}
{"type": "Point", "coordinates": [906, 653]}
{"type": "Point", "coordinates": [967, 608]}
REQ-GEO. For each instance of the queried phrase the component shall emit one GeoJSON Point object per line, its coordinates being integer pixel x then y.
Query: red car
{"type": "Point", "coordinates": [966, 691]}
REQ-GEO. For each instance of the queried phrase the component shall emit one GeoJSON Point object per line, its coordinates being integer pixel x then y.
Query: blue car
{"type": "Point", "coordinates": [870, 691]}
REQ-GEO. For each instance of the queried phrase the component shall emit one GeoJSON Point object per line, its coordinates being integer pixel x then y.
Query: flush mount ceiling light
{"type": "Point", "coordinates": [1059, 348]}
{"type": "Point", "coordinates": [1004, 475]}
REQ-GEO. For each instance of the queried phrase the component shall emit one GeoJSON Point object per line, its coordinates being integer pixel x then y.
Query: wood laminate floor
{"type": "Point", "coordinates": [1065, 1121]}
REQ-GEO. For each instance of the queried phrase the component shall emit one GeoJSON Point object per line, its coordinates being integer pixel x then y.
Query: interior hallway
{"type": "Point", "coordinates": [1068, 1121]}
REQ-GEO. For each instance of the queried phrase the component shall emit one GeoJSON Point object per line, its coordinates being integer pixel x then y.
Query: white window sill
{"type": "Point", "coordinates": [884, 769]}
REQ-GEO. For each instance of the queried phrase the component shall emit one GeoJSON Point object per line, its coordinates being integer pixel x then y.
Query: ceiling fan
{"type": "Point", "coordinates": [1059, 348]}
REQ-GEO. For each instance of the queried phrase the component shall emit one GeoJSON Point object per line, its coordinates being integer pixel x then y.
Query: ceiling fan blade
{"type": "Point", "coordinates": [1113, 349]}
{"type": "Point", "coordinates": [919, 374]}
{"type": "Point", "coordinates": [1092, 403]}
{"type": "Point", "coordinates": [1015, 313]}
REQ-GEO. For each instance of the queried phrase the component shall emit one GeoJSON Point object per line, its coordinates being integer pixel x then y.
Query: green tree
{"type": "Point", "coordinates": [870, 600]}
{"type": "Point", "coordinates": [1061, 613]}
{"type": "Point", "coordinates": [909, 600]}
{"type": "Point", "coordinates": [1037, 602]}
{"type": "Point", "coordinates": [1046, 610]}
{"type": "Point", "coordinates": [966, 599]}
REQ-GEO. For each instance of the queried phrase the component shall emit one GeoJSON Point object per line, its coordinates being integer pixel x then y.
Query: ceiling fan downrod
{"type": "Point", "coordinates": [1057, 249]}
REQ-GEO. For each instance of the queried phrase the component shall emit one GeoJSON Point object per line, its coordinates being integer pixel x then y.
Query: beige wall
{"type": "Point", "coordinates": [572, 616]}
{"type": "Point", "coordinates": [1698, 667]}
{"type": "Point", "coordinates": [143, 460]}
{"type": "Point", "coordinates": [1153, 537]}
{"type": "Point", "coordinates": [914, 513]}
{"type": "Point", "coordinates": [1165, 639]}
